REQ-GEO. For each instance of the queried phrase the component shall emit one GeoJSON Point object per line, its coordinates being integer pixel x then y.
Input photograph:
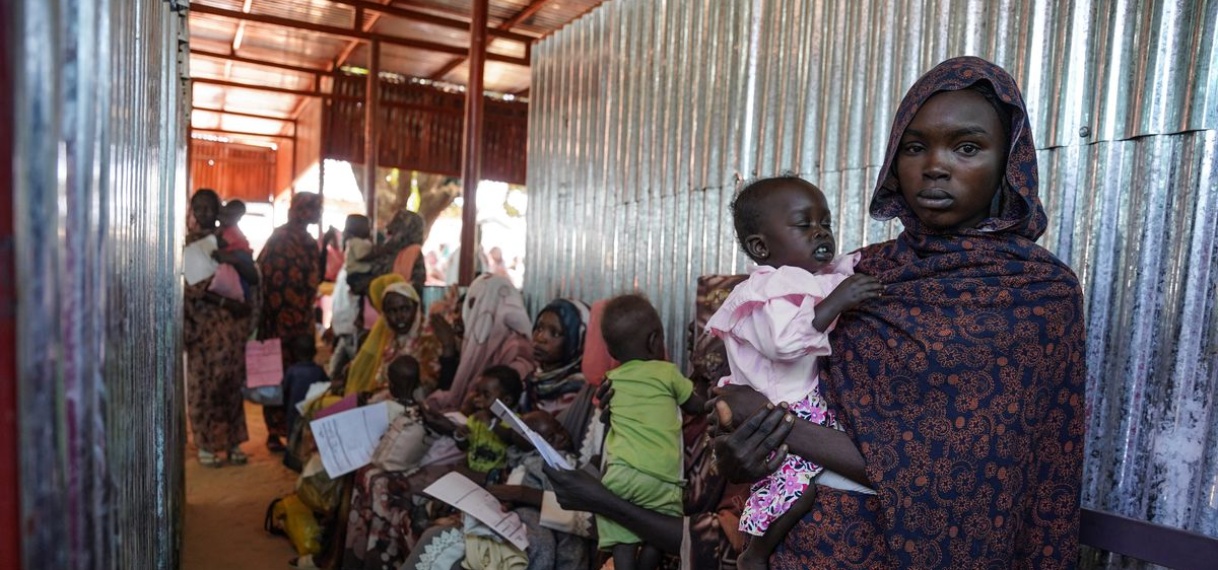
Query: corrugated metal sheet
{"type": "Point", "coordinates": [99, 188]}
{"type": "Point", "coordinates": [647, 114]}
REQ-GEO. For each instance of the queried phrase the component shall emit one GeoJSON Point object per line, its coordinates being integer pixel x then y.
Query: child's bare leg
{"type": "Point", "coordinates": [756, 555]}
{"type": "Point", "coordinates": [649, 557]}
{"type": "Point", "coordinates": [623, 556]}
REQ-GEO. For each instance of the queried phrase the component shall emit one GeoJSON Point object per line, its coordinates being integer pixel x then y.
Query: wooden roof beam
{"type": "Point", "coordinates": [242, 114]}
{"type": "Point", "coordinates": [347, 33]}
{"type": "Point", "coordinates": [252, 61]}
{"type": "Point", "coordinates": [510, 23]}
{"type": "Point", "coordinates": [243, 133]}
{"type": "Point", "coordinates": [434, 19]}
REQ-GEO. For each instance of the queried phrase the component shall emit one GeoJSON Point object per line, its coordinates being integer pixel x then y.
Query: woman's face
{"type": "Point", "coordinates": [951, 159]}
{"type": "Point", "coordinates": [399, 312]}
{"type": "Point", "coordinates": [205, 211]}
{"type": "Point", "coordinates": [547, 340]}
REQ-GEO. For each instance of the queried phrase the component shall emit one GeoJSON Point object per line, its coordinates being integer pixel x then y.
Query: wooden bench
{"type": "Point", "coordinates": [1165, 546]}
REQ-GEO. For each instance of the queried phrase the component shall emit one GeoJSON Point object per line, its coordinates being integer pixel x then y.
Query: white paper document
{"type": "Point", "coordinates": [197, 263]}
{"type": "Point", "coordinates": [346, 440]}
{"type": "Point", "coordinates": [465, 495]}
{"type": "Point", "coordinates": [551, 456]}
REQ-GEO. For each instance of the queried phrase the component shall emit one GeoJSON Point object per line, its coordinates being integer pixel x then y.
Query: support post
{"type": "Point", "coordinates": [471, 159]}
{"type": "Point", "coordinates": [371, 126]}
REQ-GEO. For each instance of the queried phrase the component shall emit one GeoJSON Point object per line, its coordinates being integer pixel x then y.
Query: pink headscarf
{"type": "Point", "coordinates": [497, 330]}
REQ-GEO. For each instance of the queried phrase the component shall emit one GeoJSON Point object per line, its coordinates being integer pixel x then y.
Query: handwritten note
{"type": "Point", "coordinates": [347, 440]}
{"type": "Point", "coordinates": [551, 456]}
{"type": "Point", "coordinates": [465, 495]}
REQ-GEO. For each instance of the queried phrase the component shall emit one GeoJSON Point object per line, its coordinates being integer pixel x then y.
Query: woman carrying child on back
{"type": "Point", "coordinates": [776, 325]}
{"type": "Point", "coordinates": [643, 448]}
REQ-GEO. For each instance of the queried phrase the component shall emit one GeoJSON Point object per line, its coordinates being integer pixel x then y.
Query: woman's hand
{"type": "Point", "coordinates": [742, 454]}
{"type": "Point", "coordinates": [578, 490]}
{"type": "Point", "coordinates": [740, 402]}
{"type": "Point", "coordinates": [445, 334]}
{"type": "Point", "coordinates": [603, 394]}
{"type": "Point", "coordinates": [438, 421]}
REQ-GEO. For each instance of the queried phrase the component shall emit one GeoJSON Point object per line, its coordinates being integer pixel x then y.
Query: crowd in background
{"type": "Point", "coordinates": [948, 388]}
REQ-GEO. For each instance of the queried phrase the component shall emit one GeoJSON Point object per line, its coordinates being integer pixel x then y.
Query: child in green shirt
{"type": "Point", "coordinates": [643, 452]}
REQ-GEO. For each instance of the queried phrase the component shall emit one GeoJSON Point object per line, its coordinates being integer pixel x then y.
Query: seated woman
{"type": "Point", "coordinates": [494, 328]}
{"type": "Point", "coordinates": [707, 536]}
{"type": "Point", "coordinates": [398, 331]}
{"type": "Point", "coordinates": [558, 385]}
{"type": "Point", "coordinates": [961, 388]}
{"type": "Point", "coordinates": [451, 541]}
{"type": "Point", "coordinates": [495, 331]}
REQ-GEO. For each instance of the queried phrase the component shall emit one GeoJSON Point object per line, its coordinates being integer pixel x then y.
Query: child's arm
{"type": "Point", "coordinates": [694, 405]}
{"type": "Point", "coordinates": [854, 290]}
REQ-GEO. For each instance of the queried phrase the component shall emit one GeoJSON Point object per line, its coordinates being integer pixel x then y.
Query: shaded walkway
{"type": "Point", "coordinates": [225, 508]}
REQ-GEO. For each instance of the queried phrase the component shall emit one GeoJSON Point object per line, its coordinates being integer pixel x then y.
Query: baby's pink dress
{"type": "Point", "coordinates": [772, 347]}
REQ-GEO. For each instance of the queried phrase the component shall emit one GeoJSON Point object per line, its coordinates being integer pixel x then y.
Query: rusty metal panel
{"type": "Point", "coordinates": [646, 115]}
{"type": "Point", "coordinates": [235, 171]}
{"type": "Point", "coordinates": [99, 188]}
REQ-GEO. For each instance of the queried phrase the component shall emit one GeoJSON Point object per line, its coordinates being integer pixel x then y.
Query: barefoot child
{"type": "Point", "coordinates": [775, 325]}
{"type": "Point", "coordinates": [643, 448]}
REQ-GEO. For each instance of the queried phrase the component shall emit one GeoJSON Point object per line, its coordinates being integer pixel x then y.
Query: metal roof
{"type": "Point", "coordinates": [287, 48]}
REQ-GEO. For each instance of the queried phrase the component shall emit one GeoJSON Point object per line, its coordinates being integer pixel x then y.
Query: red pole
{"type": "Point", "coordinates": [471, 160]}
{"type": "Point", "coordinates": [10, 498]}
{"type": "Point", "coordinates": [372, 97]}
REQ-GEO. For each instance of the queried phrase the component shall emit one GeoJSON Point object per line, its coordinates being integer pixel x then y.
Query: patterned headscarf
{"type": "Point", "coordinates": [304, 204]}
{"type": "Point", "coordinates": [407, 228]}
{"type": "Point", "coordinates": [573, 317]}
{"type": "Point", "coordinates": [962, 385]}
{"type": "Point", "coordinates": [1021, 211]}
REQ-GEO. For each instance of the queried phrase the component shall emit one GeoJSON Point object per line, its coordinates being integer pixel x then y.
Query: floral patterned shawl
{"type": "Point", "coordinates": [962, 385]}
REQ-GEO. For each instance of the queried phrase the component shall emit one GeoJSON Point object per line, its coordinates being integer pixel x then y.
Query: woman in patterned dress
{"type": "Point", "coordinates": [291, 271]}
{"type": "Point", "coordinates": [215, 332]}
{"type": "Point", "coordinates": [961, 388]}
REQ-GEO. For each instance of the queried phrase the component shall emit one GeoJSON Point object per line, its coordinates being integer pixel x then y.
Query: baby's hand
{"type": "Point", "coordinates": [856, 289]}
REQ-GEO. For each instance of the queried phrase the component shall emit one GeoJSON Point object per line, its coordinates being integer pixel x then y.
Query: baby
{"type": "Point", "coordinates": [775, 325]}
{"type": "Point", "coordinates": [643, 451]}
{"type": "Point", "coordinates": [357, 242]}
{"type": "Point", "coordinates": [405, 443]}
{"type": "Point", "coordinates": [231, 241]}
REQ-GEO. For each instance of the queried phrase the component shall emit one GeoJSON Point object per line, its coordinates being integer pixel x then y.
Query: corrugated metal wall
{"type": "Point", "coordinates": [647, 113]}
{"type": "Point", "coordinates": [99, 191]}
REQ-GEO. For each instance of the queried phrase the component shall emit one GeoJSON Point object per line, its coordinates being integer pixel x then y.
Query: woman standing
{"type": "Point", "coordinates": [291, 270]}
{"type": "Point", "coordinates": [961, 388]}
{"type": "Point", "coordinates": [215, 332]}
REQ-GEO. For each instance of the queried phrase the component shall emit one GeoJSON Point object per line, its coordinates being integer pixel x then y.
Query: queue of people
{"type": "Point", "coordinates": [917, 403]}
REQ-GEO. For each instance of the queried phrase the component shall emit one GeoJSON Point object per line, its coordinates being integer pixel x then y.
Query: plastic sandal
{"type": "Point", "coordinates": [237, 457]}
{"type": "Point", "coordinates": [209, 459]}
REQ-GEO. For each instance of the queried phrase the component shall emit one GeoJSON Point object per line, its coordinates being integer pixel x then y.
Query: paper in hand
{"type": "Point", "coordinates": [347, 440]}
{"type": "Point", "coordinates": [197, 263]}
{"type": "Point", "coordinates": [551, 456]}
{"type": "Point", "coordinates": [458, 491]}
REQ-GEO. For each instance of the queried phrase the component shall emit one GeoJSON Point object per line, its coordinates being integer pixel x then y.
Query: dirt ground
{"type": "Point", "coordinates": [225, 508]}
